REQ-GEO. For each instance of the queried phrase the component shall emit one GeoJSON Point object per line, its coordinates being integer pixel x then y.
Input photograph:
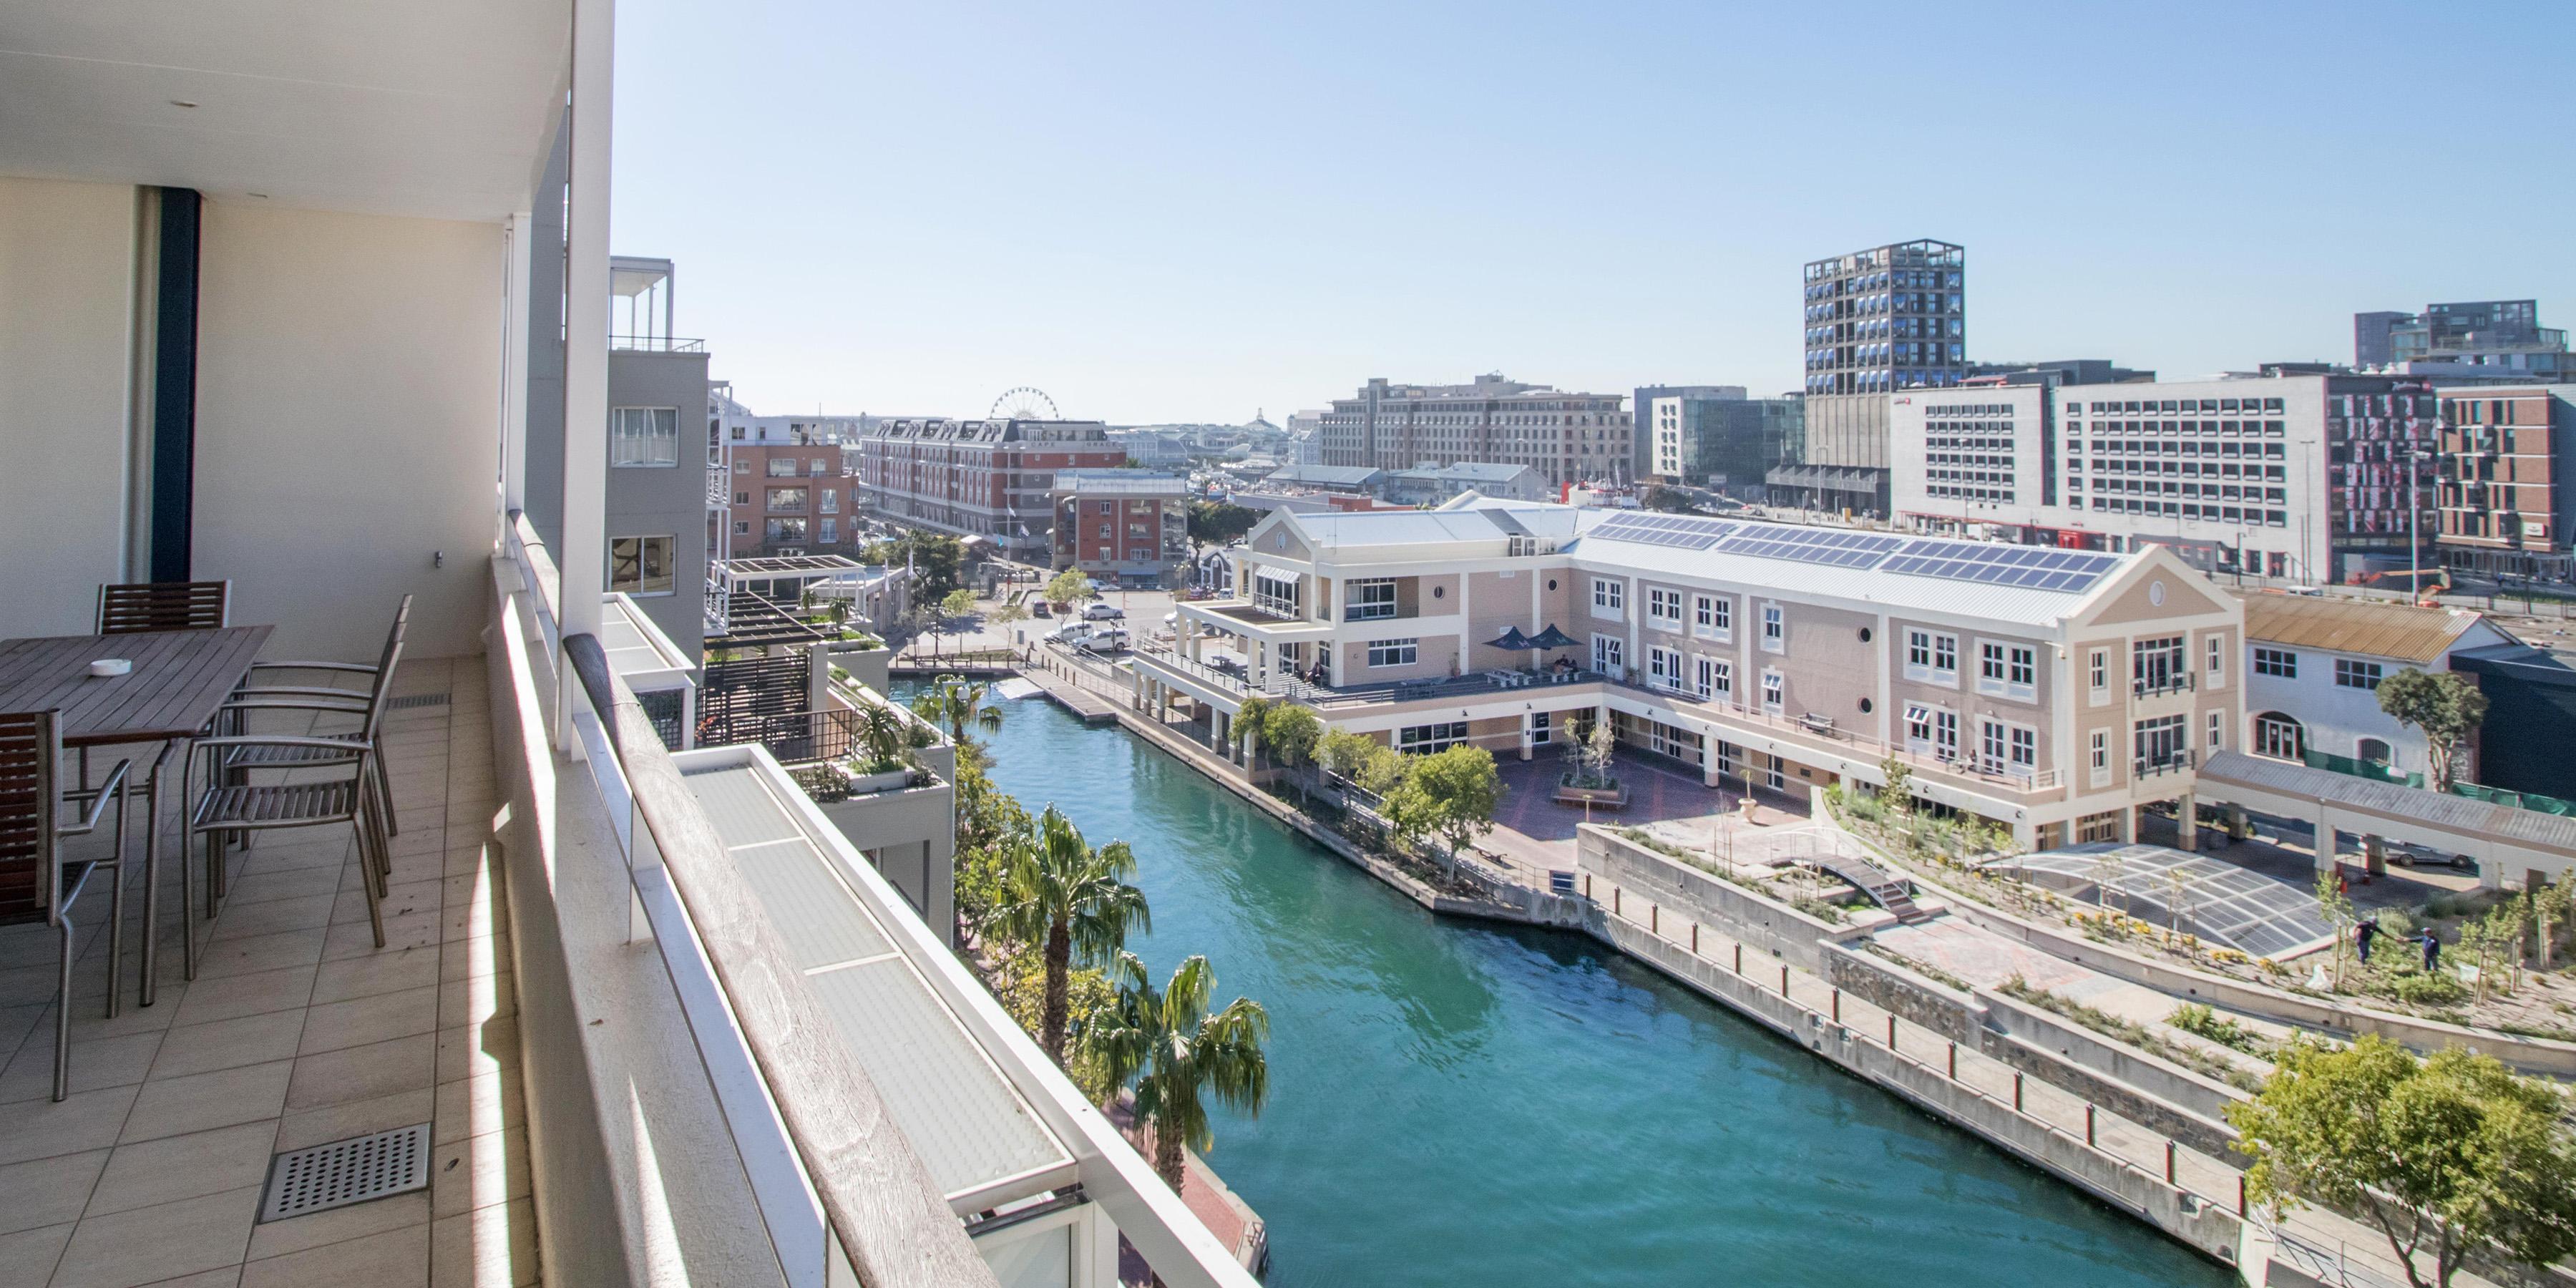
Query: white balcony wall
{"type": "Point", "coordinates": [66, 343]}
{"type": "Point", "coordinates": [348, 409]}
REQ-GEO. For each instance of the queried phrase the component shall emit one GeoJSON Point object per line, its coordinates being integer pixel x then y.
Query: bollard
{"type": "Point", "coordinates": [2240, 1195]}
{"type": "Point", "coordinates": [1784, 981]}
{"type": "Point", "coordinates": [1654, 918]}
{"type": "Point", "coordinates": [2169, 1163]}
{"type": "Point", "coordinates": [1694, 939]}
{"type": "Point", "coordinates": [1739, 958]}
{"type": "Point", "coordinates": [1614, 898]}
{"type": "Point", "coordinates": [1838, 1006]}
{"type": "Point", "coordinates": [2016, 1093]}
{"type": "Point", "coordinates": [1587, 885]}
{"type": "Point", "coordinates": [2088, 1127]}
{"type": "Point", "coordinates": [1954, 1062]}
{"type": "Point", "coordinates": [1891, 1034]}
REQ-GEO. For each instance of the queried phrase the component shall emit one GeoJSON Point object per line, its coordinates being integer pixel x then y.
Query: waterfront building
{"type": "Point", "coordinates": [2053, 692]}
{"type": "Point", "coordinates": [2503, 510]}
{"type": "Point", "coordinates": [1729, 444]}
{"type": "Point", "coordinates": [1306, 437]}
{"type": "Point", "coordinates": [1876, 322]}
{"type": "Point", "coordinates": [979, 478]}
{"type": "Point", "coordinates": [1121, 524]}
{"type": "Point", "coordinates": [1566, 437]}
{"type": "Point", "coordinates": [2298, 477]}
{"type": "Point", "coordinates": [1434, 484]}
{"type": "Point", "coordinates": [789, 492]}
{"type": "Point", "coordinates": [2313, 666]}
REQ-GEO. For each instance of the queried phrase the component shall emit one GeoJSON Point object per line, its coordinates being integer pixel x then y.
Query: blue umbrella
{"type": "Point", "coordinates": [1513, 640]}
{"type": "Point", "coordinates": [1553, 638]}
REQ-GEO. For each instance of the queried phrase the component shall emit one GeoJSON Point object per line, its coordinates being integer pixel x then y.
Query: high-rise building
{"type": "Point", "coordinates": [2468, 341]}
{"type": "Point", "coordinates": [1566, 437]}
{"type": "Point", "coordinates": [1877, 321]}
{"type": "Point", "coordinates": [1738, 444]}
{"type": "Point", "coordinates": [2504, 503]}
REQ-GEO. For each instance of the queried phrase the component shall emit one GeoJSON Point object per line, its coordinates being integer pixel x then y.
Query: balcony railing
{"type": "Point", "coordinates": [2167, 763]}
{"type": "Point", "coordinates": [2171, 682]}
{"type": "Point", "coordinates": [656, 344]}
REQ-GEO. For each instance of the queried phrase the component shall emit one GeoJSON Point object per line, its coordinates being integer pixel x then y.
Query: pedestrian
{"type": "Point", "coordinates": [2361, 937]}
{"type": "Point", "coordinates": [2432, 950]}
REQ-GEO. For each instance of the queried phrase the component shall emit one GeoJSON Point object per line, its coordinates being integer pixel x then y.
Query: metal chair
{"type": "Point", "coordinates": [36, 883]}
{"type": "Point", "coordinates": [379, 680]}
{"type": "Point", "coordinates": [134, 608]}
{"type": "Point", "coordinates": [232, 805]}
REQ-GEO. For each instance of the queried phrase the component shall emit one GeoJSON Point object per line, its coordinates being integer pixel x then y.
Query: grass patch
{"type": "Point", "coordinates": [1925, 969]}
{"type": "Point", "coordinates": [2200, 1018]}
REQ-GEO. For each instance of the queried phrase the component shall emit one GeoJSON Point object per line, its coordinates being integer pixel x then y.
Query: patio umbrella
{"type": "Point", "coordinates": [1553, 638]}
{"type": "Point", "coordinates": [1512, 640]}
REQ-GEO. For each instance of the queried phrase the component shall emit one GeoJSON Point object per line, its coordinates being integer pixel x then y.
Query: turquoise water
{"type": "Point", "coordinates": [1457, 1104]}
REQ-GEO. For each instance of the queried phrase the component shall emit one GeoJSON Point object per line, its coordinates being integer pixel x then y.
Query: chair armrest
{"type": "Point", "coordinates": [352, 668]}
{"type": "Point", "coordinates": [260, 701]}
{"type": "Point", "coordinates": [113, 784]}
{"type": "Point", "coordinates": [358, 696]}
{"type": "Point", "coordinates": [282, 740]}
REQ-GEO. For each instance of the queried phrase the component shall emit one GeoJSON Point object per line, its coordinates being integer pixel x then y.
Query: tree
{"type": "Point", "coordinates": [2446, 708]}
{"type": "Point", "coordinates": [1668, 500]}
{"type": "Point", "coordinates": [2334, 907]}
{"type": "Point", "coordinates": [953, 702]}
{"type": "Point", "coordinates": [1068, 587]}
{"type": "Point", "coordinates": [935, 560]}
{"type": "Point", "coordinates": [1342, 752]}
{"type": "Point", "coordinates": [1179, 1053]}
{"type": "Point", "coordinates": [1453, 793]}
{"type": "Point", "coordinates": [1247, 722]}
{"type": "Point", "coordinates": [1005, 614]}
{"type": "Point", "coordinates": [1219, 523]}
{"type": "Point", "coordinates": [1290, 733]}
{"type": "Point", "coordinates": [2440, 1155]}
{"type": "Point", "coordinates": [1070, 900]}
{"type": "Point", "coordinates": [883, 732]}
{"type": "Point", "coordinates": [957, 603]}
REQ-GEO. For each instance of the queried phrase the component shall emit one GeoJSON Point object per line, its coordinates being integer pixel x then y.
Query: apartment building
{"type": "Point", "coordinates": [2472, 341]}
{"type": "Point", "coordinates": [2500, 508]}
{"type": "Point", "coordinates": [791, 493]}
{"type": "Point", "coordinates": [979, 478]}
{"type": "Point", "coordinates": [2313, 667]}
{"type": "Point", "coordinates": [1566, 437]}
{"type": "Point", "coordinates": [691, 1031]}
{"type": "Point", "coordinates": [1877, 321]}
{"type": "Point", "coordinates": [2053, 692]}
{"type": "Point", "coordinates": [1729, 443]}
{"type": "Point", "coordinates": [1121, 524]}
{"type": "Point", "coordinates": [2302, 477]}
{"type": "Point", "coordinates": [1661, 437]}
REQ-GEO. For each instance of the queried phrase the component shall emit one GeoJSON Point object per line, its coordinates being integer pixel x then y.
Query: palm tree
{"type": "Point", "coordinates": [1060, 893]}
{"type": "Point", "coordinates": [1182, 1054]}
{"type": "Point", "coordinates": [881, 731]}
{"type": "Point", "coordinates": [954, 703]}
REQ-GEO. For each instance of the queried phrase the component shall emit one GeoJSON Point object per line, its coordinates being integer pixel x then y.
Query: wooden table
{"type": "Point", "coordinates": [179, 680]}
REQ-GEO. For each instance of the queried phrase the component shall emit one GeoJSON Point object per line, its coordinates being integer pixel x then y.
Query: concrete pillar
{"type": "Point", "coordinates": [2237, 827]}
{"type": "Point", "coordinates": [1193, 637]}
{"type": "Point", "coordinates": [2187, 820]}
{"type": "Point", "coordinates": [1708, 769]}
{"type": "Point", "coordinates": [1218, 725]}
{"type": "Point", "coordinates": [2325, 838]}
{"type": "Point", "coordinates": [2374, 855]}
{"type": "Point", "coordinates": [1529, 734]}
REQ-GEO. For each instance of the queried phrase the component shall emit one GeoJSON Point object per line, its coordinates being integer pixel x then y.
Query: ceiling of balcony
{"type": "Point", "coordinates": [439, 110]}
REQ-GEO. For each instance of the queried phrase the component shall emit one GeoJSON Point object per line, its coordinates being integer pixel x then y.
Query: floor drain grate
{"type": "Point", "coordinates": [413, 701]}
{"type": "Point", "coordinates": [346, 1171]}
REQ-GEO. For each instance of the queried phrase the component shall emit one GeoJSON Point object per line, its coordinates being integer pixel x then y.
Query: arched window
{"type": "Point", "coordinates": [2279, 737]}
{"type": "Point", "coordinates": [2372, 751]}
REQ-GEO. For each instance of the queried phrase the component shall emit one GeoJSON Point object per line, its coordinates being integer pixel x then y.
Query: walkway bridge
{"type": "Point", "coordinates": [1882, 887]}
{"type": "Point", "coordinates": [2508, 843]}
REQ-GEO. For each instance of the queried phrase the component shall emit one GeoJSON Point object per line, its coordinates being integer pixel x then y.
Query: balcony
{"type": "Point", "coordinates": [2156, 684]}
{"type": "Point", "coordinates": [2173, 762]}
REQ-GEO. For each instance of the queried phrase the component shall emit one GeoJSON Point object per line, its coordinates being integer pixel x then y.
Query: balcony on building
{"type": "Point", "coordinates": [664, 1017]}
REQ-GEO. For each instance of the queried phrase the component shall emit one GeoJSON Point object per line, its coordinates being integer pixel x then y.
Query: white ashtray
{"type": "Point", "coordinates": [111, 666]}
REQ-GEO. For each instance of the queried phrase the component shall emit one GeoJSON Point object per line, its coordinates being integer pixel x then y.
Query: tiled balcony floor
{"type": "Point", "coordinates": [297, 1031]}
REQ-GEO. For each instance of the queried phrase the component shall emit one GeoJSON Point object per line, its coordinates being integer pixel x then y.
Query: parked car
{"type": "Point", "coordinates": [1106, 639]}
{"type": "Point", "coordinates": [1039, 608]}
{"type": "Point", "coordinates": [1096, 611]}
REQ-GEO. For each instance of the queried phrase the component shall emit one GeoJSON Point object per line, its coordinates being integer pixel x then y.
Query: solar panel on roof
{"type": "Point", "coordinates": [1828, 546]}
{"type": "Point", "coordinates": [1679, 531]}
{"type": "Point", "coordinates": [2030, 567]}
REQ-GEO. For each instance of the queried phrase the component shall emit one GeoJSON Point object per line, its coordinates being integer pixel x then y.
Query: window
{"type": "Point", "coordinates": [831, 500]}
{"type": "Point", "coordinates": [2101, 757]}
{"type": "Point", "coordinates": [2011, 670]}
{"type": "Point", "coordinates": [2374, 751]}
{"type": "Point", "coordinates": [742, 498]}
{"type": "Point", "coordinates": [2279, 737]}
{"type": "Point", "coordinates": [1931, 657]}
{"type": "Point", "coordinates": [1104, 532]}
{"type": "Point", "coordinates": [2100, 662]}
{"type": "Point", "coordinates": [741, 467]}
{"type": "Point", "coordinates": [782, 467]}
{"type": "Point", "coordinates": [1714, 679]}
{"type": "Point", "coordinates": [2356, 675]}
{"type": "Point", "coordinates": [1774, 691]}
{"type": "Point", "coordinates": [2217, 668]}
{"type": "Point", "coordinates": [787, 500]}
{"type": "Point", "coordinates": [1609, 653]}
{"type": "Point", "coordinates": [644, 436]}
{"type": "Point", "coordinates": [2162, 743]}
{"type": "Point", "coordinates": [1422, 740]}
{"type": "Point", "coordinates": [1664, 608]}
{"type": "Point", "coordinates": [2158, 665]}
{"type": "Point", "coordinates": [742, 527]}
{"type": "Point", "coordinates": [1712, 617]}
{"type": "Point", "coordinates": [1664, 668]}
{"type": "Point", "coordinates": [1775, 629]}
{"type": "Point", "coordinates": [1273, 592]}
{"type": "Point", "coordinates": [1369, 600]}
{"type": "Point", "coordinates": [787, 530]}
{"type": "Point", "coordinates": [640, 565]}
{"type": "Point", "coordinates": [1393, 652]}
{"type": "Point", "coordinates": [2278, 662]}
{"type": "Point", "coordinates": [2217, 732]}
{"type": "Point", "coordinates": [1609, 598]}
{"type": "Point", "coordinates": [1541, 727]}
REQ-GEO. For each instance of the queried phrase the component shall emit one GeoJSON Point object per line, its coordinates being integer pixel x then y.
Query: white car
{"type": "Point", "coordinates": [1098, 611]}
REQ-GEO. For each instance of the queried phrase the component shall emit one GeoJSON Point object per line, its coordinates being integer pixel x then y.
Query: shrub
{"type": "Point", "coordinates": [2419, 989]}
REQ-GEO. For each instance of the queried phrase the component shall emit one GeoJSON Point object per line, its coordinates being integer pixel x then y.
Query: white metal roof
{"type": "Point", "coordinates": [637, 650]}
{"type": "Point", "coordinates": [972, 1127]}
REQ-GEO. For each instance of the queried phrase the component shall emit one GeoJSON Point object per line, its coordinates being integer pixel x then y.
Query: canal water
{"type": "Point", "coordinates": [1452, 1103]}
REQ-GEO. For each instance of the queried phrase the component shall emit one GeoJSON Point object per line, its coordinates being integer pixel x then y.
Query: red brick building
{"type": "Point", "coordinates": [979, 478]}
{"type": "Point", "coordinates": [789, 497]}
{"type": "Point", "coordinates": [1120, 523]}
{"type": "Point", "coordinates": [2503, 507]}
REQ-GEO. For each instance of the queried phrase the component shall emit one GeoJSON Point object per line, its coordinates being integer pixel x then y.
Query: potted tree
{"type": "Point", "coordinates": [1587, 780]}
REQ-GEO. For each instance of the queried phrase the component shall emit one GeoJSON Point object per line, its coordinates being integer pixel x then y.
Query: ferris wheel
{"type": "Point", "coordinates": [1023, 402]}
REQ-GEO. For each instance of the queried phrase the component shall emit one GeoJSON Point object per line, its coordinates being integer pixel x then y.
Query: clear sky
{"type": "Point", "coordinates": [1187, 211]}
